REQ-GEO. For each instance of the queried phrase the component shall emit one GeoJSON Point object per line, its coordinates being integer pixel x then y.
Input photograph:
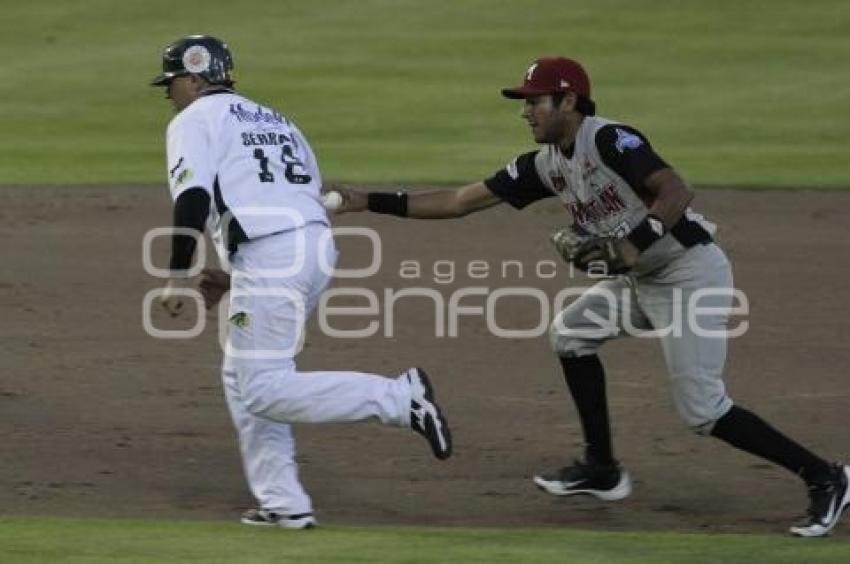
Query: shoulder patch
{"type": "Point", "coordinates": [184, 177]}
{"type": "Point", "coordinates": [180, 173]}
{"type": "Point", "coordinates": [626, 140]}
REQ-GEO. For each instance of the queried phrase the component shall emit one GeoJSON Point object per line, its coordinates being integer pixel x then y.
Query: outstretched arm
{"type": "Point", "coordinates": [427, 204]}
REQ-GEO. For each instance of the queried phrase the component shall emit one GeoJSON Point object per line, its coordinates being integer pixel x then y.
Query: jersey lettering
{"type": "Point", "coordinates": [249, 139]}
{"type": "Point", "coordinates": [606, 204]}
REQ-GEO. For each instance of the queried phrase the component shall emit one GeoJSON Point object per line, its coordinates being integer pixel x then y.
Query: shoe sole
{"type": "Point", "coordinates": [430, 424]}
{"type": "Point", "coordinates": [298, 524]}
{"type": "Point", "coordinates": [252, 523]}
{"type": "Point", "coordinates": [284, 523]}
{"type": "Point", "coordinates": [621, 491]}
{"type": "Point", "coordinates": [807, 532]}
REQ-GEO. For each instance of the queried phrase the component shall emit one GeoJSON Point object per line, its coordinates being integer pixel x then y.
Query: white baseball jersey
{"type": "Point", "coordinates": [254, 162]}
{"type": "Point", "coordinates": [257, 166]}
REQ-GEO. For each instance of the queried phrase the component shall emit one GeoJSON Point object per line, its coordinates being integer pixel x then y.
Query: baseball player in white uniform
{"type": "Point", "coordinates": [247, 173]}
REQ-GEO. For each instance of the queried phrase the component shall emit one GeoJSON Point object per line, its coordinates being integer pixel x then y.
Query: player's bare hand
{"type": "Point", "coordinates": [173, 299]}
{"type": "Point", "coordinates": [629, 252]}
{"type": "Point", "coordinates": [213, 285]}
{"type": "Point", "coordinates": [353, 199]}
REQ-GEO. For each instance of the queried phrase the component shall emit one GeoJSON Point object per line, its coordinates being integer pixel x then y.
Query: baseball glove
{"type": "Point", "coordinates": [581, 248]}
{"type": "Point", "coordinates": [567, 241]}
{"type": "Point", "coordinates": [605, 250]}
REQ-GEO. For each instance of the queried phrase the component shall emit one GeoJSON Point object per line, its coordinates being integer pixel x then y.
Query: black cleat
{"type": "Point", "coordinates": [425, 415]}
{"type": "Point", "coordinates": [827, 500]}
{"type": "Point", "coordinates": [609, 482]}
{"type": "Point", "coordinates": [266, 518]}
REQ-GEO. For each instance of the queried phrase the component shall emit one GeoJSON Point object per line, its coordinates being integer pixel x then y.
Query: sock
{"type": "Point", "coordinates": [747, 431]}
{"type": "Point", "coordinates": [586, 380]}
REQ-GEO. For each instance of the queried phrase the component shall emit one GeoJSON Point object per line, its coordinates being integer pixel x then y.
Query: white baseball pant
{"type": "Point", "coordinates": [275, 285]}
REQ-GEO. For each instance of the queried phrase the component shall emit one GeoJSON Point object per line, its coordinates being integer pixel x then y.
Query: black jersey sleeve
{"type": "Point", "coordinates": [627, 151]}
{"type": "Point", "coordinates": [518, 183]}
{"type": "Point", "coordinates": [190, 211]}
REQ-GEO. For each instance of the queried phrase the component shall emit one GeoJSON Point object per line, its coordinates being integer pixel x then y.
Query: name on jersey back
{"type": "Point", "coordinates": [249, 139]}
{"type": "Point", "coordinates": [261, 115]}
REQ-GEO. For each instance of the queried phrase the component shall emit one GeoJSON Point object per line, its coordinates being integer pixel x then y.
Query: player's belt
{"type": "Point", "coordinates": [690, 233]}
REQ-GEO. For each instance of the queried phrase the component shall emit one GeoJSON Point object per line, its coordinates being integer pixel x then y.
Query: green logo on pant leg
{"type": "Point", "coordinates": [240, 319]}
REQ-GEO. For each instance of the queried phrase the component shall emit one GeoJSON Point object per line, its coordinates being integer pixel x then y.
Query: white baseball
{"type": "Point", "coordinates": [332, 200]}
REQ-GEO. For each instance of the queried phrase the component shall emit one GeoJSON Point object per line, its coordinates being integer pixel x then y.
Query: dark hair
{"type": "Point", "coordinates": [584, 106]}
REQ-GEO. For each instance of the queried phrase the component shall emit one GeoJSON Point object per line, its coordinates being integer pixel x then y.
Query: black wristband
{"type": "Point", "coordinates": [648, 231]}
{"type": "Point", "coordinates": [389, 203]}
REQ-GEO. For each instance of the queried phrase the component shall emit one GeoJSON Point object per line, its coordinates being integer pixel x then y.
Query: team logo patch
{"type": "Point", "coordinates": [626, 140]}
{"type": "Point", "coordinates": [530, 72]}
{"type": "Point", "coordinates": [184, 176]}
{"type": "Point", "coordinates": [196, 59]}
{"type": "Point", "coordinates": [240, 319]}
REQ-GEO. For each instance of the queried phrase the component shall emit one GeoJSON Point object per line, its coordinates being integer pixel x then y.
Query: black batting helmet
{"type": "Point", "coordinates": [203, 55]}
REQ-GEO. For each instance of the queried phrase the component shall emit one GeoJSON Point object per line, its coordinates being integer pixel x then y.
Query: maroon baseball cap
{"type": "Point", "coordinates": [549, 75]}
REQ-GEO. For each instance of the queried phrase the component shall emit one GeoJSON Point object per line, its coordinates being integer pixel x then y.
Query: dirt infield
{"type": "Point", "coordinates": [99, 419]}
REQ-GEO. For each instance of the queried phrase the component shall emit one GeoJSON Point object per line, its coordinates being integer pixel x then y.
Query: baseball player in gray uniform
{"type": "Point", "coordinates": [248, 172]}
{"type": "Point", "coordinates": [631, 218]}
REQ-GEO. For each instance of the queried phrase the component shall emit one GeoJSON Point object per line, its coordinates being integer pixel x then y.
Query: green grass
{"type": "Point", "coordinates": [752, 92]}
{"type": "Point", "coordinates": [31, 541]}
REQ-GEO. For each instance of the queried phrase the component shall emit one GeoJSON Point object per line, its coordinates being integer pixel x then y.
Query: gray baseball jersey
{"type": "Point", "coordinates": [601, 185]}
